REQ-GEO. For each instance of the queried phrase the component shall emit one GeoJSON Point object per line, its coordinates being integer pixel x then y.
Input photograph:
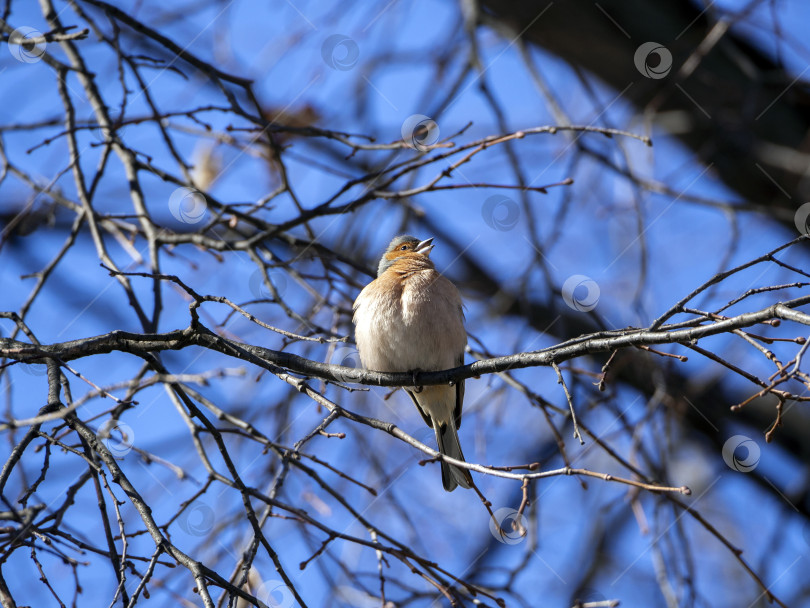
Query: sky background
{"type": "Point", "coordinates": [280, 45]}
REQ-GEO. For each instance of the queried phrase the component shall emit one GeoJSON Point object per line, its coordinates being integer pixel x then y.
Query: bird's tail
{"type": "Point", "coordinates": [447, 438]}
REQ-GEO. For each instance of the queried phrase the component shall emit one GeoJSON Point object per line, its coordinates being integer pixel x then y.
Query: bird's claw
{"type": "Point", "coordinates": [416, 387]}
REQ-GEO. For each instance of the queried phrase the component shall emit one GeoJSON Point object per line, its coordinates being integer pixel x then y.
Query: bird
{"type": "Point", "coordinates": [410, 319]}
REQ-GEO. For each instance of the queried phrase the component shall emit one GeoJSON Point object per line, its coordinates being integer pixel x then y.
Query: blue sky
{"type": "Point", "coordinates": [280, 45]}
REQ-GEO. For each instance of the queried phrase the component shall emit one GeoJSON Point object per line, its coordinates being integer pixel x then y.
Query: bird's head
{"type": "Point", "coordinates": [405, 248]}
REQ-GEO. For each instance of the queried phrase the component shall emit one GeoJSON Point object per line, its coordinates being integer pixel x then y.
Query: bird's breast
{"type": "Point", "coordinates": [409, 323]}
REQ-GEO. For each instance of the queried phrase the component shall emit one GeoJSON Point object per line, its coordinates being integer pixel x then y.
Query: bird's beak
{"type": "Point", "coordinates": [425, 247]}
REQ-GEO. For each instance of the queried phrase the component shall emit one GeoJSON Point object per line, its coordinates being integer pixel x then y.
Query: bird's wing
{"type": "Point", "coordinates": [459, 395]}
{"type": "Point", "coordinates": [425, 415]}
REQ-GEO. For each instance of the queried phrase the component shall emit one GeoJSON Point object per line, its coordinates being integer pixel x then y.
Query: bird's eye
{"type": "Point", "coordinates": [403, 248]}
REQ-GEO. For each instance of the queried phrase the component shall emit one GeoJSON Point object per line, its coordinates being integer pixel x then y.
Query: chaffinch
{"type": "Point", "coordinates": [410, 319]}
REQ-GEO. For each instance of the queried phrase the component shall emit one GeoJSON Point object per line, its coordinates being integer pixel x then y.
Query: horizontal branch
{"type": "Point", "coordinates": [198, 335]}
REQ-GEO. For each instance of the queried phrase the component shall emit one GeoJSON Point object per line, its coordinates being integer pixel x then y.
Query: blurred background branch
{"type": "Point", "coordinates": [193, 197]}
